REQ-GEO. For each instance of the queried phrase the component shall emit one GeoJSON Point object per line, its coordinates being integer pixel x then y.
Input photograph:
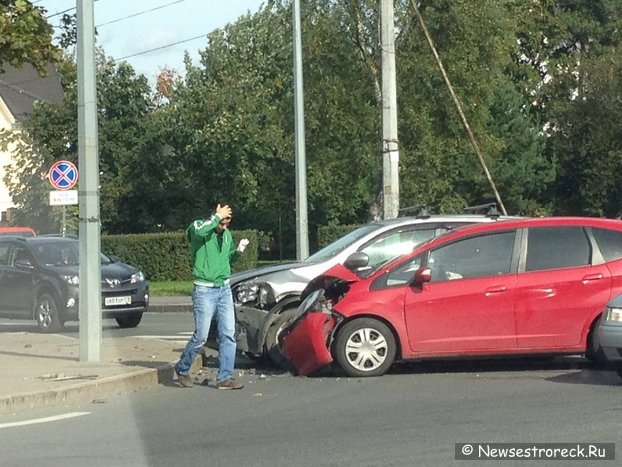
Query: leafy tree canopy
{"type": "Point", "coordinates": [25, 36]}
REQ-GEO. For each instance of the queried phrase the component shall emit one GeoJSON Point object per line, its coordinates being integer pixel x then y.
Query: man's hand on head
{"type": "Point", "coordinates": [223, 211]}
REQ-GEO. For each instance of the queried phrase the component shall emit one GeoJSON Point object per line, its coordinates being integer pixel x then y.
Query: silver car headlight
{"type": "Point", "coordinates": [138, 277]}
{"type": "Point", "coordinates": [247, 292]}
{"type": "Point", "coordinates": [613, 315]}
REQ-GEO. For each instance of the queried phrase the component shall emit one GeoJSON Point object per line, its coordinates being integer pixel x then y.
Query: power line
{"type": "Point", "coordinates": [64, 11]}
{"type": "Point", "coordinates": [139, 13]}
{"type": "Point", "coordinates": [60, 13]}
{"type": "Point", "coordinates": [122, 18]}
{"type": "Point", "coordinates": [160, 48]}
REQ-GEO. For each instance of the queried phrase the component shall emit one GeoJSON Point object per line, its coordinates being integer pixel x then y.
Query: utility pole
{"type": "Point", "coordinates": [302, 228]}
{"type": "Point", "coordinates": [90, 314]}
{"type": "Point", "coordinates": [390, 149]}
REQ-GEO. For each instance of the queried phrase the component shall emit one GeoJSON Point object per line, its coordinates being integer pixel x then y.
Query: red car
{"type": "Point", "coordinates": [515, 287]}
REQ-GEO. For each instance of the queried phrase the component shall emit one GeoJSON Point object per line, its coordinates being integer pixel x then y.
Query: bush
{"type": "Point", "coordinates": [166, 256]}
{"type": "Point", "coordinates": [327, 234]}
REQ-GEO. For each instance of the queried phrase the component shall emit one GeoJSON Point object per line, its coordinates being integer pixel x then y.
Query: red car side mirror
{"type": "Point", "coordinates": [423, 274]}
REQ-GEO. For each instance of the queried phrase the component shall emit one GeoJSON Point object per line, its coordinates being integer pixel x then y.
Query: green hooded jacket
{"type": "Point", "coordinates": [212, 252]}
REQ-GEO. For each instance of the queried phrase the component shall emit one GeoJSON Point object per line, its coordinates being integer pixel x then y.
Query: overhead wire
{"type": "Point", "coordinates": [161, 47]}
{"type": "Point", "coordinates": [140, 13]}
{"type": "Point", "coordinates": [172, 44]}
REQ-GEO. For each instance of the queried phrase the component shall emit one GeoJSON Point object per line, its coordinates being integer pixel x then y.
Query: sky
{"type": "Point", "coordinates": [131, 28]}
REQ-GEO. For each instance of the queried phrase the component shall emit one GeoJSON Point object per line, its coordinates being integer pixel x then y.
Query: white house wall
{"type": "Point", "coordinates": [6, 122]}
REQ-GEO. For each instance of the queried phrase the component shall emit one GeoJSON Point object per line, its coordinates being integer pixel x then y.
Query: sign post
{"type": "Point", "coordinates": [63, 176]}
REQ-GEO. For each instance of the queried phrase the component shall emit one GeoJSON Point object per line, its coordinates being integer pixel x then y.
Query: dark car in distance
{"type": "Point", "coordinates": [39, 280]}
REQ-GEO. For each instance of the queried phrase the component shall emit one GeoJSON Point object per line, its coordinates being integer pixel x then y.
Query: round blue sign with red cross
{"type": "Point", "coordinates": [63, 175]}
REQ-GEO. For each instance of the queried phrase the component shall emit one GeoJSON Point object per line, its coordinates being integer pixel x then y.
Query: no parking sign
{"type": "Point", "coordinates": [63, 175]}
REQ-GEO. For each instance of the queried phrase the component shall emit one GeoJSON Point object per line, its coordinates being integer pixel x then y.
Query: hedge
{"type": "Point", "coordinates": [327, 234]}
{"type": "Point", "coordinates": [166, 256]}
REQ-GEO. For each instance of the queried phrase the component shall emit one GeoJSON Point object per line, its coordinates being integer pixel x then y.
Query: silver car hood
{"type": "Point", "coordinates": [260, 272]}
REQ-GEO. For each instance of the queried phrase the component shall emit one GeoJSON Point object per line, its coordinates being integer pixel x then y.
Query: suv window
{"type": "Point", "coordinates": [396, 243]}
{"type": "Point", "coordinates": [341, 244]}
{"type": "Point", "coordinates": [21, 253]}
{"type": "Point", "coordinates": [402, 241]}
{"type": "Point", "coordinates": [557, 247]}
{"type": "Point", "coordinates": [4, 254]}
{"type": "Point", "coordinates": [609, 242]}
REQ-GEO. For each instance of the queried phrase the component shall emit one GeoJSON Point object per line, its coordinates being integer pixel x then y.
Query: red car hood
{"type": "Point", "coordinates": [338, 272]}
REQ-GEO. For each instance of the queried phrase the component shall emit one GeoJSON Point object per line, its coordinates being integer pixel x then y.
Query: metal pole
{"type": "Point", "coordinates": [88, 196]}
{"type": "Point", "coordinates": [390, 149]}
{"type": "Point", "coordinates": [302, 233]}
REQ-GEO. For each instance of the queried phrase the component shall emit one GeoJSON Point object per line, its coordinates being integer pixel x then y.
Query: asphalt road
{"type": "Point", "coordinates": [414, 415]}
{"type": "Point", "coordinates": [152, 324]}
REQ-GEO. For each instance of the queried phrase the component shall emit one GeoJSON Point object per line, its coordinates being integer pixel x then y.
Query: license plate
{"type": "Point", "coordinates": [111, 301]}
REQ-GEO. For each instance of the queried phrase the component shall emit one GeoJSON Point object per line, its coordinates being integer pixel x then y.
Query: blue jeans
{"type": "Point", "coordinates": [205, 302]}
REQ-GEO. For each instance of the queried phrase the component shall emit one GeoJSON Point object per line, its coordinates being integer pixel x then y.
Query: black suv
{"type": "Point", "coordinates": [39, 280]}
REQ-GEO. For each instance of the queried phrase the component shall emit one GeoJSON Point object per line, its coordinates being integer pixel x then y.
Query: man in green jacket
{"type": "Point", "coordinates": [213, 251]}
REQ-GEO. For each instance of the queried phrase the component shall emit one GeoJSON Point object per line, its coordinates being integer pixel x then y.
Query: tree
{"type": "Point", "coordinates": [25, 36]}
{"type": "Point", "coordinates": [51, 134]}
{"type": "Point", "coordinates": [477, 42]}
{"type": "Point", "coordinates": [588, 141]}
{"type": "Point", "coordinates": [575, 46]}
{"type": "Point", "coordinates": [526, 73]}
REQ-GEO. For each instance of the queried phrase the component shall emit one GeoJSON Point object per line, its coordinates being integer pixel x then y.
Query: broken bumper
{"type": "Point", "coordinates": [307, 341]}
{"type": "Point", "coordinates": [249, 325]}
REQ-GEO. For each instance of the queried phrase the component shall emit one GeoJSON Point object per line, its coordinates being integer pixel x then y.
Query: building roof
{"type": "Point", "coordinates": [21, 87]}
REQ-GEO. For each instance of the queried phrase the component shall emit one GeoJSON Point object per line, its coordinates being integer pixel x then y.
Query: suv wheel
{"type": "Point", "coordinates": [46, 313]}
{"type": "Point", "coordinates": [130, 321]}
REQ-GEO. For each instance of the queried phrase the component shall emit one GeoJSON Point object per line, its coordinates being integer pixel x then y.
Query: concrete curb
{"type": "Point", "coordinates": [92, 391]}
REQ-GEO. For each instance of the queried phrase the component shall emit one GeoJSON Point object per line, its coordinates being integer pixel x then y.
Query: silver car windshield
{"type": "Point", "coordinates": [338, 246]}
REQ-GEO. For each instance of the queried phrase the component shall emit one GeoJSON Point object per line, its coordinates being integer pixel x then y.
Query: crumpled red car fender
{"type": "Point", "coordinates": [307, 345]}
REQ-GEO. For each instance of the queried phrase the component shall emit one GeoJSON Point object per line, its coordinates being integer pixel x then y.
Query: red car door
{"type": "Point", "coordinates": [560, 292]}
{"type": "Point", "coordinates": [468, 307]}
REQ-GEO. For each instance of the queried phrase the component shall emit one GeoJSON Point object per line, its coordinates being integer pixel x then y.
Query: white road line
{"type": "Point", "coordinates": [179, 337]}
{"type": "Point", "coordinates": [35, 421]}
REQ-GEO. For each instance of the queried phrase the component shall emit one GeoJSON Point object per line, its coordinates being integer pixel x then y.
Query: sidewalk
{"type": "Point", "coordinates": [45, 369]}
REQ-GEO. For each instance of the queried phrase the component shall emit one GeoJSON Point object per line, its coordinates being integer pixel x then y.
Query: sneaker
{"type": "Point", "coordinates": [229, 384]}
{"type": "Point", "coordinates": [184, 380]}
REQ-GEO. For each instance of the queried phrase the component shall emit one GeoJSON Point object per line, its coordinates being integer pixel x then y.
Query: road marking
{"type": "Point", "coordinates": [34, 421]}
{"type": "Point", "coordinates": [180, 337]}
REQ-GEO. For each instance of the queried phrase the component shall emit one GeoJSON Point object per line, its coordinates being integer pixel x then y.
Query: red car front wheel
{"type": "Point", "coordinates": [365, 347]}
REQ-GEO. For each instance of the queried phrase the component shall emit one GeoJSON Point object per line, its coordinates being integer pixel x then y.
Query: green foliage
{"type": "Point", "coordinates": [588, 141]}
{"type": "Point", "coordinates": [538, 82]}
{"type": "Point", "coordinates": [25, 36]}
{"type": "Point", "coordinates": [327, 234]}
{"type": "Point", "coordinates": [166, 256]}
